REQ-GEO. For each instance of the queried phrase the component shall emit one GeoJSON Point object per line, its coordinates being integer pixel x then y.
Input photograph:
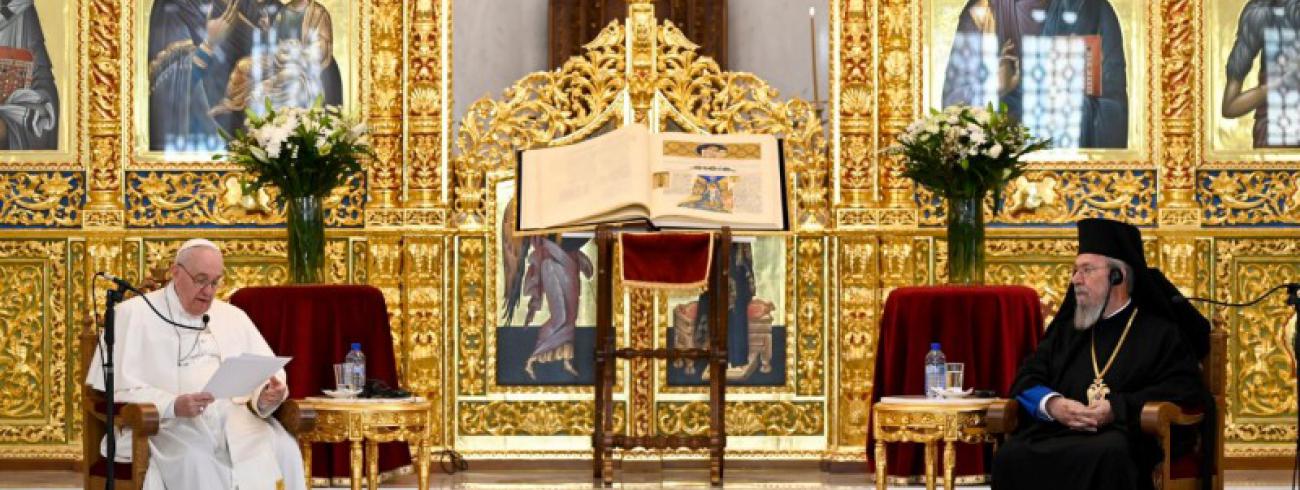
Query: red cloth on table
{"type": "Point", "coordinates": [666, 260]}
{"type": "Point", "coordinates": [317, 326]}
{"type": "Point", "coordinates": [991, 329]}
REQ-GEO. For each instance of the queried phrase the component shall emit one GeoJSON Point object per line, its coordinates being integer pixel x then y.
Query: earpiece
{"type": "Point", "coordinates": [1116, 277]}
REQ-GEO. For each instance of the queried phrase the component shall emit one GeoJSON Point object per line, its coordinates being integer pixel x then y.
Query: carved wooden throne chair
{"type": "Point", "coordinates": [639, 70]}
{"type": "Point", "coordinates": [1164, 421]}
{"type": "Point", "coordinates": [142, 418]}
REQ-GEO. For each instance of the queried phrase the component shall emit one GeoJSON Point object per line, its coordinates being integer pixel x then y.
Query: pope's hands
{"type": "Point", "coordinates": [192, 404]}
{"type": "Point", "coordinates": [274, 393]}
{"type": "Point", "coordinates": [1078, 416]}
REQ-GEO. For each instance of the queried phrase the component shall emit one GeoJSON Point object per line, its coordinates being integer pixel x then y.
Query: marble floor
{"type": "Point", "coordinates": [575, 478]}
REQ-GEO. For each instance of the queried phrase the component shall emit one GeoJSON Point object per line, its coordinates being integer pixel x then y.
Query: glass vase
{"type": "Point", "coordinates": [966, 240]}
{"type": "Point", "coordinates": [306, 240]}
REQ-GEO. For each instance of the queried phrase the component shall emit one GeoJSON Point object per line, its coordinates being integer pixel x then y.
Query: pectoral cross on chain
{"type": "Point", "coordinates": [1097, 391]}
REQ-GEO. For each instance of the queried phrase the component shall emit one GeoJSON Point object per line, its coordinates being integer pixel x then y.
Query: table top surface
{"type": "Point", "coordinates": [918, 402]}
{"type": "Point", "coordinates": [367, 404]}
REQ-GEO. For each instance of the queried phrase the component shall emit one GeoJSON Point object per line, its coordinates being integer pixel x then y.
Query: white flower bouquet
{"type": "Point", "coordinates": [304, 152]}
{"type": "Point", "coordinates": [965, 152]}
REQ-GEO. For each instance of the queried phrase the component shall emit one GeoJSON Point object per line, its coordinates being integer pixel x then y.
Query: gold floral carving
{"type": "Point", "coordinates": [426, 103]}
{"type": "Point", "coordinates": [743, 418]}
{"type": "Point", "coordinates": [809, 309]}
{"type": "Point", "coordinates": [208, 198]}
{"type": "Point", "coordinates": [898, 101]}
{"type": "Point", "coordinates": [532, 418]}
{"type": "Point", "coordinates": [1069, 196]}
{"type": "Point", "coordinates": [642, 325]}
{"type": "Point", "coordinates": [421, 329]}
{"type": "Point", "coordinates": [35, 354]}
{"type": "Point", "coordinates": [1259, 197]}
{"type": "Point", "coordinates": [472, 316]}
{"type": "Point", "coordinates": [543, 108]}
{"type": "Point", "coordinates": [1262, 396]}
{"type": "Point", "coordinates": [858, 302]}
{"type": "Point", "coordinates": [856, 77]}
{"type": "Point", "coordinates": [385, 102]}
{"type": "Point", "coordinates": [105, 74]}
{"type": "Point", "coordinates": [41, 199]}
{"type": "Point", "coordinates": [1179, 79]}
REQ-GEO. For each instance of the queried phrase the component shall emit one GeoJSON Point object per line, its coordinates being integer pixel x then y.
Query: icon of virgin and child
{"type": "Point", "coordinates": [211, 60]}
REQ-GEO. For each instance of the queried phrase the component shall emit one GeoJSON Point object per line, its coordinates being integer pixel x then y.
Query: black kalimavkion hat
{"type": "Point", "coordinates": [1152, 291]}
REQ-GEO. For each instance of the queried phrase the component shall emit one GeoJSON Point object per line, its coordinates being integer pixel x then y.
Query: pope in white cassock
{"type": "Point", "coordinates": [202, 443]}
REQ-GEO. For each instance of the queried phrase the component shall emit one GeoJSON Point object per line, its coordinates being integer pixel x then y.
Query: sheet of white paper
{"type": "Point", "coordinates": [238, 376]}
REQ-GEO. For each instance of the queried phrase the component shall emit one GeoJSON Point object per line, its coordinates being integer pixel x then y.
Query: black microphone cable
{"type": "Point", "coordinates": [451, 461]}
{"type": "Point", "coordinates": [1292, 289]}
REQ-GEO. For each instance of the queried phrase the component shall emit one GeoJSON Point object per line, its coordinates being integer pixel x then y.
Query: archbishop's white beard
{"type": "Point", "coordinates": [1085, 315]}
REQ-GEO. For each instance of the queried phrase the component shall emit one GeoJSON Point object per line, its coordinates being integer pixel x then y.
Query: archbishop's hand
{"type": "Point", "coordinates": [1102, 412]}
{"type": "Point", "coordinates": [1072, 414]}
{"type": "Point", "coordinates": [192, 404]}
{"type": "Point", "coordinates": [274, 393]}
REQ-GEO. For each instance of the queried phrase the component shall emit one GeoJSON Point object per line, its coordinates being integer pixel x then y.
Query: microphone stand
{"type": "Point", "coordinates": [113, 297]}
{"type": "Point", "coordinates": [1293, 300]}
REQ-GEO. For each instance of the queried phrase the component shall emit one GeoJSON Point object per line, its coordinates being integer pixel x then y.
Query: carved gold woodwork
{"type": "Point", "coordinates": [370, 423]}
{"type": "Point", "coordinates": [930, 424]}
{"type": "Point", "coordinates": [641, 70]}
{"type": "Point", "coordinates": [419, 228]}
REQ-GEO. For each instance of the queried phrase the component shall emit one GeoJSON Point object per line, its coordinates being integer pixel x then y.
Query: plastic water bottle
{"type": "Point", "coordinates": [356, 362]}
{"type": "Point", "coordinates": [935, 365]}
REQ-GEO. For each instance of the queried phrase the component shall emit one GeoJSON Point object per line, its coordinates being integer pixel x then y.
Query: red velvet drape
{"type": "Point", "coordinates": [989, 328]}
{"type": "Point", "coordinates": [666, 260]}
{"type": "Point", "coordinates": [317, 326]}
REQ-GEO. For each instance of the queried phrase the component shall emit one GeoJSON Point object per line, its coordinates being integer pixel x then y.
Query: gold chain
{"type": "Point", "coordinates": [1114, 353]}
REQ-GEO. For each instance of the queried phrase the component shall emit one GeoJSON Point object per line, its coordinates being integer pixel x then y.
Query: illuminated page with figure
{"type": "Point", "coordinates": [670, 179]}
{"type": "Point", "coordinates": [715, 180]}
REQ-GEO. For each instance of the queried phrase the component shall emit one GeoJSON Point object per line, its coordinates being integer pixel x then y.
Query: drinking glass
{"type": "Point", "coordinates": [956, 374]}
{"type": "Point", "coordinates": [342, 380]}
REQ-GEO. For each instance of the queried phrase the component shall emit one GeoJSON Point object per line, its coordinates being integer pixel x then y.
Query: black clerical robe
{"type": "Point", "coordinates": [1153, 364]}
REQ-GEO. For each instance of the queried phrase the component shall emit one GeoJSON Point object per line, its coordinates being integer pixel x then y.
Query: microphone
{"type": "Point", "coordinates": [205, 321]}
{"type": "Point", "coordinates": [121, 283]}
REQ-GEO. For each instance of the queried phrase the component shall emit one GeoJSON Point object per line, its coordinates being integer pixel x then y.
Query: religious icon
{"type": "Point", "coordinates": [1058, 65]}
{"type": "Point", "coordinates": [711, 193]}
{"type": "Point", "coordinates": [29, 99]}
{"type": "Point", "coordinates": [1266, 30]}
{"type": "Point", "coordinates": [755, 335]}
{"type": "Point", "coordinates": [210, 60]}
{"type": "Point", "coordinates": [546, 271]}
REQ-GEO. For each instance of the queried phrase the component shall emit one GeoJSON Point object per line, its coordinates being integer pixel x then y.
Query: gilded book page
{"type": "Point", "coordinates": [718, 179]}
{"type": "Point", "coordinates": [601, 179]}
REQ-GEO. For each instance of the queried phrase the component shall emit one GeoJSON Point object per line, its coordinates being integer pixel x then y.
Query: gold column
{"type": "Point", "coordinates": [898, 97]}
{"type": "Point", "coordinates": [472, 316]}
{"type": "Point", "coordinates": [424, 267]}
{"type": "Point", "coordinates": [642, 395]}
{"type": "Point", "coordinates": [810, 308]}
{"type": "Point", "coordinates": [384, 271]}
{"type": "Point", "coordinates": [385, 105]}
{"type": "Point", "coordinates": [1180, 62]}
{"type": "Point", "coordinates": [428, 57]}
{"type": "Point", "coordinates": [104, 175]}
{"type": "Point", "coordinates": [856, 101]}
{"type": "Point", "coordinates": [642, 28]}
{"type": "Point", "coordinates": [854, 347]}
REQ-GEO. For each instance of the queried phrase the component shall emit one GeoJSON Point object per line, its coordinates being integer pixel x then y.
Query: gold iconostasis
{"type": "Point", "coordinates": [1180, 116]}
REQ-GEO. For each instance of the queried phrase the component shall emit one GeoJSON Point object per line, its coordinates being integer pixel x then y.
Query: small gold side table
{"type": "Point", "coordinates": [371, 421]}
{"type": "Point", "coordinates": [929, 421]}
